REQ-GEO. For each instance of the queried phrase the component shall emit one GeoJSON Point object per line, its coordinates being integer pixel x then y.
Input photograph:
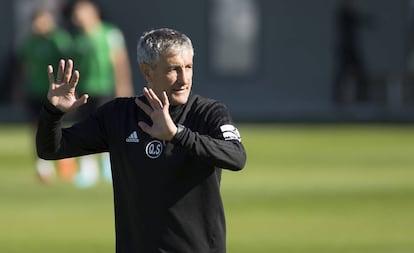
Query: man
{"type": "Point", "coordinates": [101, 56]}
{"type": "Point", "coordinates": [46, 43]}
{"type": "Point", "coordinates": [100, 52]}
{"type": "Point", "coordinates": [166, 147]}
{"type": "Point", "coordinates": [350, 60]}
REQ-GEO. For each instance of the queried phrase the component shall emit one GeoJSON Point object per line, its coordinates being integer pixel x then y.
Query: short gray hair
{"type": "Point", "coordinates": [156, 42]}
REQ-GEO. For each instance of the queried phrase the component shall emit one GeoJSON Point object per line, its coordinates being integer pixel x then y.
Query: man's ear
{"type": "Point", "coordinates": [146, 72]}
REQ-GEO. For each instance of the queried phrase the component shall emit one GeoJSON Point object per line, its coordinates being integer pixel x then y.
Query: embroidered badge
{"type": "Point", "coordinates": [154, 149]}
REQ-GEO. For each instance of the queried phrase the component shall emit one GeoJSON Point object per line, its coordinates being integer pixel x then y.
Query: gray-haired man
{"type": "Point", "coordinates": [166, 148]}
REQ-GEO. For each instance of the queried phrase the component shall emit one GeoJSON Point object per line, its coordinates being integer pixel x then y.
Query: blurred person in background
{"type": "Point", "coordinates": [168, 148]}
{"type": "Point", "coordinates": [46, 44]}
{"type": "Point", "coordinates": [350, 63]}
{"type": "Point", "coordinates": [100, 54]}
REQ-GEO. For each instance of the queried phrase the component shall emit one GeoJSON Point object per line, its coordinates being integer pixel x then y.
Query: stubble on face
{"type": "Point", "coordinates": [173, 74]}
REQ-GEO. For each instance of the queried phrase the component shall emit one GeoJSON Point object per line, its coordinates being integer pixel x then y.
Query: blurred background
{"type": "Point", "coordinates": [322, 90]}
{"type": "Point", "coordinates": [286, 51]}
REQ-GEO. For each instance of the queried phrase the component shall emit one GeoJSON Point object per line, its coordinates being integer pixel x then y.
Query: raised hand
{"type": "Point", "coordinates": [62, 90]}
{"type": "Point", "coordinates": [163, 127]}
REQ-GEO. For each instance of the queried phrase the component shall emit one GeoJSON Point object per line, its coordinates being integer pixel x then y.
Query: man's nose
{"type": "Point", "coordinates": [182, 75]}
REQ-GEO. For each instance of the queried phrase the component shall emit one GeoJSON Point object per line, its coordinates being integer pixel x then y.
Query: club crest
{"type": "Point", "coordinates": [154, 149]}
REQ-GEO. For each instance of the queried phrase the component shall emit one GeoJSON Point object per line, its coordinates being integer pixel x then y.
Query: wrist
{"type": "Point", "coordinates": [180, 128]}
{"type": "Point", "coordinates": [51, 108]}
{"type": "Point", "coordinates": [179, 136]}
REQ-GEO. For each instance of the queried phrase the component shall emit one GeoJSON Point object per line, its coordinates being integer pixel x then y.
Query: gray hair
{"type": "Point", "coordinates": [154, 43]}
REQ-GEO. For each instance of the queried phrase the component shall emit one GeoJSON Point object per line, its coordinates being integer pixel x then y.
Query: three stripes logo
{"type": "Point", "coordinates": [133, 137]}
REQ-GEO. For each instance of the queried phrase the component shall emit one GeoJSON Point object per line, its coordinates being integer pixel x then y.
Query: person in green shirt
{"type": "Point", "coordinates": [46, 44]}
{"type": "Point", "coordinates": [101, 56]}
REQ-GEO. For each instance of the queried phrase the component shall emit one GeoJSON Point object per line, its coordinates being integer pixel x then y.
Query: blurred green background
{"type": "Point", "coordinates": [306, 188]}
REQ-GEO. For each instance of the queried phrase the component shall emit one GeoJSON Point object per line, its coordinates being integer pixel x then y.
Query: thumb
{"type": "Point", "coordinates": [81, 101]}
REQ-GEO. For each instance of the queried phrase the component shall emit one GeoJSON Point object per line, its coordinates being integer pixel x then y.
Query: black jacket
{"type": "Point", "coordinates": [166, 194]}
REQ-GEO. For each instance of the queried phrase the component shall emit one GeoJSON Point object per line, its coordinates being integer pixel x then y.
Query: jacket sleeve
{"type": "Point", "coordinates": [54, 142]}
{"type": "Point", "coordinates": [221, 146]}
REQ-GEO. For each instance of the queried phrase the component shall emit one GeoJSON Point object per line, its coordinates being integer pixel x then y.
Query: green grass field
{"type": "Point", "coordinates": [306, 188]}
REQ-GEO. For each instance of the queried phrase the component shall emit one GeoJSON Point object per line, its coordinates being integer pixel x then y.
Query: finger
{"type": "Point", "coordinates": [156, 100]}
{"type": "Point", "coordinates": [150, 98]}
{"type": "Point", "coordinates": [75, 79]}
{"type": "Point", "coordinates": [148, 110]}
{"type": "Point", "coordinates": [68, 71]}
{"type": "Point", "coordinates": [61, 67]}
{"type": "Point", "coordinates": [165, 101]}
{"type": "Point", "coordinates": [51, 76]}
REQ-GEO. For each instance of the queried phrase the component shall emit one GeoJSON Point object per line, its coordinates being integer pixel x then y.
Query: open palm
{"type": "Point", "coordinates": [163, 127]}
{"type": "Point", "coordinates": [62, 90]}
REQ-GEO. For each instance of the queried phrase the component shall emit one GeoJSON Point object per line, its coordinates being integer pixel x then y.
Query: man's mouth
{"type": "Point", "coordinates": [179, 90]}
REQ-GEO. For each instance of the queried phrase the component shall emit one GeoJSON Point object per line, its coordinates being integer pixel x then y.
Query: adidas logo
{"type": "Point", "coordinates": [133, 137]}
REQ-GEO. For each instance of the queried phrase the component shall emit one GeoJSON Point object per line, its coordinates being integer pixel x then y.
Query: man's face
{"type": "Point", "coordinates": [83, 14]}
{"type": "Point", "coordinates": [43, 24]}
{"type": "Point", "coordinates": [174, 75]}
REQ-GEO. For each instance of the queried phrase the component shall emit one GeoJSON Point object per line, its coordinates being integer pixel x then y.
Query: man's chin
{"type": "Point", "coordinates": [178, 100]}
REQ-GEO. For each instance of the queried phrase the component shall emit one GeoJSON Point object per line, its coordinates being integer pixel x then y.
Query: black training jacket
{"type": "Point", "coordinates": [167, 194]}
